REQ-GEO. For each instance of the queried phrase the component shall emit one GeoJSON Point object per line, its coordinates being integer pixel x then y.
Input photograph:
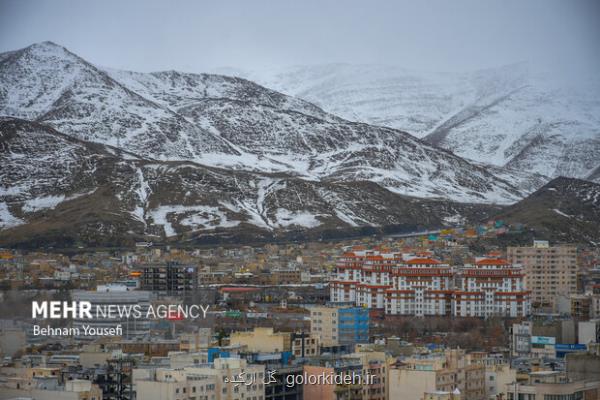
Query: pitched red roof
{"type": "Point", "coordinates": [492, 261]}
{"type": "Point", "coordinates": [418, 261]}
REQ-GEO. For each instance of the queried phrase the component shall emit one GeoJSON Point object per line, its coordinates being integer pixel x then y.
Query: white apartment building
{"type": "Point", "coordinates": [419, 285]}
{"type": "Point", "coordinates": [224, 379]}
{"type": "Point", "coordinates": [491, 287]}
{"type": "Point", "coordinates": [121, 296]}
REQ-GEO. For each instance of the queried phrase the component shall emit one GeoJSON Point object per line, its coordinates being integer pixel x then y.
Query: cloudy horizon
{"type": "Point", "coordinates": [197, 37]}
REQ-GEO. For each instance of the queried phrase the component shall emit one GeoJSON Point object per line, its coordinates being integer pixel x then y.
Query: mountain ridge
{"type": "Point", "coordinates": [498, 116]}
{"type": "Point", "coordinates": [102, 157]}
{"type": "Point", "coordinates": [563, 210]}
{"type": "Point", "coordinates": [95, 194]}
{"type": "Point", "coordinates": [232, 123]}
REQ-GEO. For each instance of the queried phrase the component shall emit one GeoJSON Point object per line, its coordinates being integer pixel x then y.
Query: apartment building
{"type": "Point", "coordinates": [374, 366]}
{"type": "Point", "coordinates": [196, 341]}
{"type": "Point", "coordinates": [549, 271]}
{"type": "Point", "coordinates": [305, 345]}
{"type": "Point", "coordinates": [327, 389]}
{"type": "Point", "coordinates": [111, 295]}
{"type": "Point", "coordinates": [176, 384]}
{"type": "Point", "coordinates": [398, 283]}
{"type": "Point", "coordinates": [49, 389]}
{"type": "Point", "coordinates": [280, 388]}
{"type": "Point", "coordinates": [580, 306]}
{"type": "Point", "coordinates": [497, 377]}
{"type": "Point", "coordinates": [262, 340]}
{"type": "Point", "coordinates": [553, 385]}
{"type": "Point", "coordinates": [170, 278]}
{"type": "Point", "coordinates": [224, 379]}
{"type": "Point", "coordinates": [339, 325]}
{"type": "Point", "coordinates": [589, 332]}
{"type": "Point", "coordinates": [419, 285]}
{"type": "Point", "coordinates": [521, 339]}
{"type": "Point", "coordinates": [440, 395]}
{"type": "Point", "coordinates": [491, 287]}
{"type": "Point", "coordinates": [448, 372]}
{"type": "Point", "coordinates": [285, 276]}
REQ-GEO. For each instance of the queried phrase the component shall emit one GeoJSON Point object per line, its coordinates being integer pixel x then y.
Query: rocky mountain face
{"type": "Point", "coordinates": [230, 123]}
{"type": "Point", "coordinates": [96, 156]}
{"type": "Point", "coordinates": [564, 209]}
{"type": "Point", "coordinates": [508, 117]}
{"type": "Point", "coordinates": [47, 83]}
{"type": "Point", "coordinates": [60, 191]}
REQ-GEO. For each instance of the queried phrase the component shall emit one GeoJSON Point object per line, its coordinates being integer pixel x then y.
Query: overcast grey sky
{"type": "Point", "coordinates": [200, 35]}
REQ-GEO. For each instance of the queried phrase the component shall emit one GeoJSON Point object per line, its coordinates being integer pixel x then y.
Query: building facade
{"type": "Point", "coordinates": [491, 287]}
{"type": "Point", "coordinates": [419, 285]}
{"type": "Point", "coordinates": [109, 296]}
{"type": "Point", "coordinates": [262, 340]}
{"type": "Point", "coordinates": [549, 271]}
{"type": "Point", "coordinates": [447, 372]}
{"type": "Point", "coordinates": [224, 379]}
{"type": "Point", "coordinates": [339, 325]}
{"type": "Point", "coordinates": [171, 278]}
{"type": "Point", "coordinates": [552, 385]}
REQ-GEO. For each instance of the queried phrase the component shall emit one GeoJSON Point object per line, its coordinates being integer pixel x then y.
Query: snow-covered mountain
{"type": "Point", "coordinates": [230, 123]}
{"type": "Point", "coordinates": [58, 190]}
{"type": "Point", "coordinates": [508, 117]}
{"type": "Point", "coordinates": [47, 83]}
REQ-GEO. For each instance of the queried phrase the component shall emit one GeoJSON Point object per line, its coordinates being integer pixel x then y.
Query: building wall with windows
{"type": "Point", "coordinates": [263, 340]}
{"type": "Point", "coordinates": [549, 271]}
{"type": "Point", "coordinates": [419, 285]}
{"type": "Point", "coordinates": [491, 287]}
{"type": "Point", "coordinates": [133, 328]}
{"type": "Point", "coordinates": [339, 325]}
{"type": "Point", "coordinates": [212, 381]}
{"type": "Point", "coordinates": [551, 385]}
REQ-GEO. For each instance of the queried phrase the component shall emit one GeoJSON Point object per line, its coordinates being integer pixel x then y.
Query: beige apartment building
{"type": "Point", "coordinates": [225, 379]}
{"type": "Point", "coordinates": [549, 271]}
{"type": "Point", "coordinates": [449, 372]}
{"type": "Point", "coordinates": [262, 340]}
{"type": "Point", "coordinates": [497, 377]}
{"type": "Point", "coordinates": [174, 384]}
{"type": "Point", "coordinates": [324, 325]}
{"type": "Point", "coordinates": [440, 395]}
{"type": "Point", "coordinates": [374, 365]}
{"type": "Point", "coordinates": [306, 345]}
{"type": "Point", "coordinates": [553, 385]}
{"type": "Point", "coordinates": [43, 389]}
{"type": "Point", "coordinates": [199, 340]}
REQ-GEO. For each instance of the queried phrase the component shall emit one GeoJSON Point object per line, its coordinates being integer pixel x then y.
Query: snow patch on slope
{"type": "Point", "coordinates": [7, 220]}
{"type": "Point", "coordinates": [41, 203]}
{"type": "Point", "coordinates": [197, 217]}
{"type": "Point", "coordinates": [285, 218]}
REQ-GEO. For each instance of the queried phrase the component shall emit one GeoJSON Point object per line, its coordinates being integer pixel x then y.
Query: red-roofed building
{"type": "Point", "coordinates": [491, 287]}
{"type": "Point", "coordinates": [420, 285]}
{"type": "Point", "coordinates": [399, 284]}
